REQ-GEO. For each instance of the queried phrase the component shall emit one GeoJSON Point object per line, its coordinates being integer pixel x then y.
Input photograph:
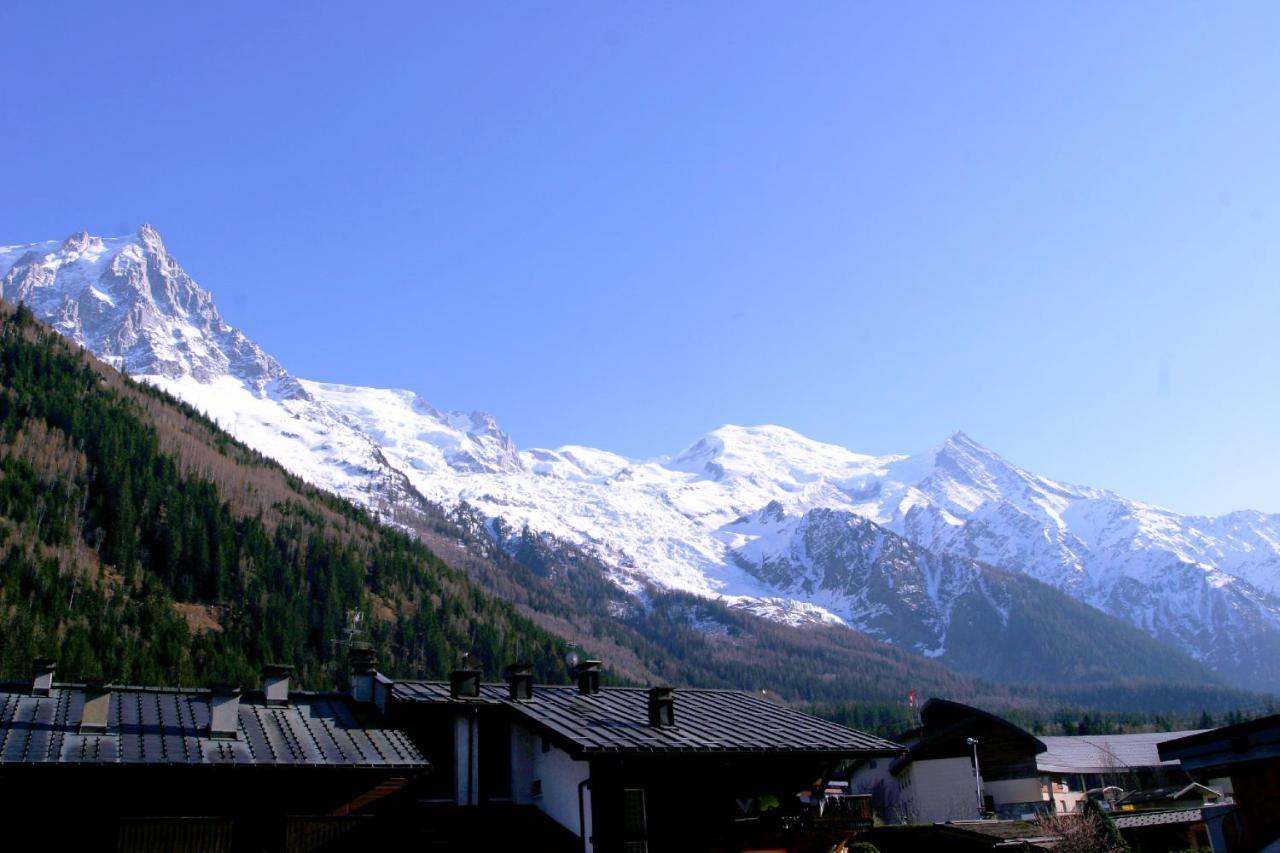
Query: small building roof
{"type": "Point", "coordinates": [1173, 793]}
{"type": "Point", "coordinates": [1166, 818]}
{"type": "Point", "coordinates": [1001, 830]}
{"type": "Point", "coordinates": [1255, 740]}
{"type": "Point", "coordinates": [947, 727]}
{"type": "Point", "coordinates": [1104, 753]}
{"type": "Point", "coordinates": [615, 720]}
{"type": "Point", "coordinates": [150, 725]}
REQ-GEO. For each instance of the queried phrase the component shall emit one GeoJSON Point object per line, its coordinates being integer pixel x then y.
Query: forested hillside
{"type": "Point", "coordinates": [140, 543]}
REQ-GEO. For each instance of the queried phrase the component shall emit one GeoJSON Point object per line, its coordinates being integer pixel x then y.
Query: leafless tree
{"type": "Point", "coordinates": [1079, 833]}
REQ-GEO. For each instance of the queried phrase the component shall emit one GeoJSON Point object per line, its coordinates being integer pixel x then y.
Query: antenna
{"type": "Point", "coordinates": [353, 632]}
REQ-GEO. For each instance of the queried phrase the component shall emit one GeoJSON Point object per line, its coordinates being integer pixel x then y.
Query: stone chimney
{"type": "Point", "coordinates": [587, 674]}
{"type": "Point", "coordinates": [97, 706]}
{"type": "Point", "coordinates": [363, 669]}
{"type": "Point", "coordinates": [42, 680]}
{"type": "Point", "coordinates": [662, 707]}
{"type": "Point", "coordinates": [276, 683]}
{"type": "Point", "coordinates": [464, 683]}
{"type": "Point", "coordinates": [224, 711]}
{"type": "Point", "coordinates": [519, 681]}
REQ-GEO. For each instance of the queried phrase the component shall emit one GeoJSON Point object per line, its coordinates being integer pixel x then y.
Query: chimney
{"type": "Point", "coordinates": [662, 707]}
{"type": "Point", "coordinates": [519, 681]}
{"type": "Point", "coordinates": [587, 674]}
{"type": "Point", "coordinates": [224, 711]}
{"type": "Point", "coordinates": [363, 670]}
{"type": "Point", "coordinates": [97, 705]}
{"type": "Point", "coordinates": [42, 681]}
{"type": "Point", "coordinates": [276, 683]}
{"type": "Point", "coordinates": [464, 683]}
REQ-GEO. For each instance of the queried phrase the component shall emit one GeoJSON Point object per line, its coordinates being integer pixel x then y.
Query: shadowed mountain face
{"type": "Point", "coordinates": [931, 552]}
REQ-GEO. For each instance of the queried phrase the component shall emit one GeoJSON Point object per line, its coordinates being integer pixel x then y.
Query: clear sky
{"type": "Point", "coordinates": [1053, 226]}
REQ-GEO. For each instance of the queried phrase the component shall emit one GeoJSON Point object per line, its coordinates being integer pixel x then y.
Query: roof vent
{"type": "Point", "coordinates": [519, 681]}
{"type": "Point", "coordinates": [42, 680]}
{"type": "Point", "coordinates": [587, 674]}
{"type": "Point", "coordinates": [97, 704]}
{"type": "Point", "coordinates": [224, 711]}
{"type": "Point", "coordinates": [276, 683]}
{"type": "Point", "coordinates": [464, 683]}
{"type": "Point", "coordinates": [662, 707]}
{"type": "Point", "coordinates": [363, 668]}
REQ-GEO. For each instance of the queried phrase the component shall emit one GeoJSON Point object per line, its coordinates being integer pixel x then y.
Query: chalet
{"type": "Point", "coordinates": [219, 769]}
{"type": "Point", "coordinates": [1249, 754]}
{"type": "Point", "coordinates": [624, 768]}
{"type": "Point", "coordinates": [937, 780]}
{"type": "Point", "coordinates": [962, 763]}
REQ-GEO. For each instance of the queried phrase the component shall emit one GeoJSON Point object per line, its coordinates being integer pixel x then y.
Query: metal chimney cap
{"type": "Point", "coordinates": [277, 669]}
{"type": "Point", "coordinates": [44, 665]}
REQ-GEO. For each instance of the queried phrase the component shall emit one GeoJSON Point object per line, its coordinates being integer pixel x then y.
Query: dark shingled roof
{"type": "Point", "coordinates": [1255, 740]}
{"type": "Point", "coordinates": [616, 720]}
{"type": "Point", "coordinates": [148, 725]}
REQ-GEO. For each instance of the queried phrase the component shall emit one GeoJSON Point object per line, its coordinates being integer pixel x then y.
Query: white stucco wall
{"type": "Point", "coordinates": [937, 790]}
{"type": "Point", "coordinates": [559, 774]}
{"type": "Point", "coordinates": [1014, 791]}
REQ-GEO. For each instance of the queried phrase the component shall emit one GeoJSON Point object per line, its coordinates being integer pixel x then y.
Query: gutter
{"type": "Point", "coordinates": [582, 813]}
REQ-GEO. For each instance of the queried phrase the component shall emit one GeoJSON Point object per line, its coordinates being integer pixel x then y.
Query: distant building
{"type": "Point", "coordinates": [1074, 766]}
{"type": "Point", "coordinates": [622, 768]}
{"type": "Point", "coordinates": [1019, 776]}
{"type": "Point", "coordinates": [936, 779]}
{"type": "Point", "coordinates": [1248, 753]}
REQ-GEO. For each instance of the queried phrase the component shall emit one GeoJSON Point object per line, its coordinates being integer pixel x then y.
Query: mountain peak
{"type": "Point", "coordinates": [78, 242]}
{"type": "Point", "coordinates": [151, 319]}
{"type": "Point", "coordinates": [149, 237]}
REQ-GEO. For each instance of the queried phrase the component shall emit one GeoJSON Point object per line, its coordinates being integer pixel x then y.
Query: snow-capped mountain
{"type": "Point", "coordinates": [770, 520]}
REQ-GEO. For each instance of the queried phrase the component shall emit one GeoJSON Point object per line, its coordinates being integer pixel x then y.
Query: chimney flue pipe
{"type": "Point", "coordinates": [519, 681]}
{"type": "Point", "coordinates": [662, 707]}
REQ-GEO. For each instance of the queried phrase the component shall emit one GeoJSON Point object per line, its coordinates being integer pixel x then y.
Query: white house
{"type": "Point", "coordinates": [624, 767]}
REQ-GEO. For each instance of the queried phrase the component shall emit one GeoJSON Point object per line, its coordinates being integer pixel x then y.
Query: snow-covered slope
{"type": "Point", "coordinates": [731, 516]}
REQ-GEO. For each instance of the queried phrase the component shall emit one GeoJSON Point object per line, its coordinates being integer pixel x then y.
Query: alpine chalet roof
{"type": "Point", "coordinates": [148, 725]}
{"type": "Point", "coordinates": [615, 720]}
{"type": "Point", "coordinates": [1104, 753]}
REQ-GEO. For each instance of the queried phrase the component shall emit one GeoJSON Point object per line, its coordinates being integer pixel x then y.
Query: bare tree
{"type": "Point", "coordinates": [1078, 832]}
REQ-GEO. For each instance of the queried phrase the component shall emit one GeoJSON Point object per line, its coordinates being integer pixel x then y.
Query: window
{"type": "Point", "coordinates": [634, 821]}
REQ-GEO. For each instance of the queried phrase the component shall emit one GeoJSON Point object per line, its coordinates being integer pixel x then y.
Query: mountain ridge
{"type": "Point", "coordinates": [1207, 586]}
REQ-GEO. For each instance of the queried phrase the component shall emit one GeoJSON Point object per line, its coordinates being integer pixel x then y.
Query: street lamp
{"type": "Point", "coordinates": [977, 774]}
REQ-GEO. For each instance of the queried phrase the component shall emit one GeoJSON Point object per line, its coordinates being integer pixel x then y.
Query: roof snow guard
{"type": "Point", "coordinates": [617, 720]}
{"type": "Point", "coordinates": [148, 725]}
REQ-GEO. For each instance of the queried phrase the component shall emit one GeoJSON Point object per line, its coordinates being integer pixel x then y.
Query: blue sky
{"type": "Point", "coordinates": [624, 225]}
